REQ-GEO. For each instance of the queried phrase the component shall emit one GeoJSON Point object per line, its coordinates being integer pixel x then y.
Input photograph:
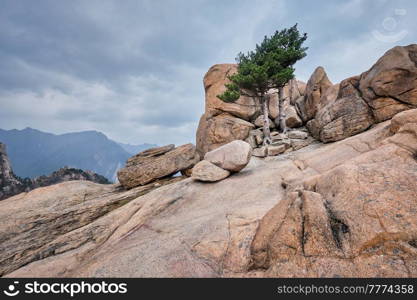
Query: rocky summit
{"type": "Point", "coordinates": [334, 196]}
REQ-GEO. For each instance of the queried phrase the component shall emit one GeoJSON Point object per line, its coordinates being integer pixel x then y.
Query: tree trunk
{"type": "Point", "coordinates": [265, 111]}
{"type": "Point", "coordinates": [281, 117]}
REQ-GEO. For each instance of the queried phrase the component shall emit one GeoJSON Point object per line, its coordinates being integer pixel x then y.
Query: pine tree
{"type": "Point", "coordinates": [270, 65]}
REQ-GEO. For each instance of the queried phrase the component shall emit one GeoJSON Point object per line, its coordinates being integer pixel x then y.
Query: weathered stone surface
{"type": "Point", "coordinates": [301, 143]}
{"type": "Point", "coordinates": [278, 142]}
{"type": "Point", "coordinates": [259, 122]}
{"type": "Point", "coordinates": [353, 220]}
{"type": "Point", "coordinates": [348, 115]}
{"type": "Point", "coordinates": [403, 118]}
{"type": "Point", "coordinates": [224, 122]}
{"type": "Point", "coordinates": [297, 134]}
{"type": "Point", "coordinates": [394, 76]}
{"type": "Point", "coordinates": [258, 136]}
{"type": "Point", "coordinates": [385, 108]}
{"type": "Point", "coordinates": [260, 152]}
{"type": "Point", "coordinates": [294, 90]}
{"type": "Point", "coordinates": [329, 96]}
{"type": "Point", "coordinates": [206, 171]}
{"type": "Point", "coordinates": [300, 106]}
{"type": "Point", "coordinates": [345, 209]}
{"type": "Point", "coordinates": [148, 155]}
{"type": "Point", "coordinates": [214, 81]}
{"type": "Point", "coordinates": [276, 149]}
{"type": "Point", "coordinates": [388, 88]}
{"type": "Point", "coordinates": [187, 172]}
{"type": "Point", "coordinates": [357, 219]}
{"type": "Point", "coordinates": [143, 170]}
{"type": "Point", "coordinates": [233, 156]}
{"type": "Point", "coordinates": [292, 119]}
{"type": "Point", "coordinates": [54, 220]}
{"type": "Point", "coordinates": [219, 130]}
{"type": "Point", "coordinates": [185, 229]}
{"type": "Point", "coordinates": [316, 87]}
{"type": "Point", "coordinates": [273, 104]}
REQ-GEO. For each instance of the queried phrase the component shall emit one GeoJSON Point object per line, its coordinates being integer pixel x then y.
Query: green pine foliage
{"type": "Point", "coordinates": [270, 65]}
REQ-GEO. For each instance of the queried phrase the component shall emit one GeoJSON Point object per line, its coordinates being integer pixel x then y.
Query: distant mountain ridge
{"type": "Point", "coordinates": [134, 149]}
{"type": "Point", "coordinates": [35, 153]}
{"type": "Point", "coordinates": [11, 185]}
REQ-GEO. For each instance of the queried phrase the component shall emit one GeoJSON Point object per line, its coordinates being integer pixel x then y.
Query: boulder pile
{"type": "Point", "coordinates": [221, 162]}
{"type": "Point", "coordinates": [225, 122]}
{"type": "Point", "coordinates": [320, 109]}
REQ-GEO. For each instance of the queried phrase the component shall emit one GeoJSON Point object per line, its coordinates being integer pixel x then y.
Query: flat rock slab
{"type": "Point", "coordinates": [153, 167]}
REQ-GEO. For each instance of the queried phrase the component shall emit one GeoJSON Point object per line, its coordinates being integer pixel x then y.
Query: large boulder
{"type": "Point", "coordinates": [219, 130]}
{"type": "Point", "coordinates": [148, 155]}
{"type": "Point", "coordinates": [388, 88]}
{"type": "Point", "coordinates": [316, 87]}
{"type": "Point", "coordinates": [292, 119]}
{"type": "Point", "coordinates": [206, 171]}
{"type": "Point", "coordinates": [394, 76]}
{"type": "Point", "coordinates": [390, 85]}
{"type": "Point", "coordinates": [214, 85]}
{"type": "Point", "coordinates": [154, 164]}
{"type": "Point", "coordinates": [348, 115]}
{"type": "Point", "coordinates": [233, 156]}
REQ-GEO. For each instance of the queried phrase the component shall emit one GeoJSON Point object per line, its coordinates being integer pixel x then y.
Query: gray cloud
{"type": "Point", "coordinates": [134, 69]}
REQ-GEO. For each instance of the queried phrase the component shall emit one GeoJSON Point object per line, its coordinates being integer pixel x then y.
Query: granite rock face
{"type": "Point", "coordinates": [341, 209]}
{"type": "Point", "coordinates": [388, 88]}
{"type": "Point", "coordinates": [317, 86]}
{"type": "Point", "coordinates": [208, 172]}
{"type": "Point", "coordinates": [353, 220]}
{"type": "Point", "coordinates": [223, 122]}
{"type": "Point", "coordinates": [233, 156]}
{"type": "Point", "coordinates": [217, 131]}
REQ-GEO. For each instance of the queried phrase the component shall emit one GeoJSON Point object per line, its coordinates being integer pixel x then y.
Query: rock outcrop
{"type": "Point", "coordinates": [156, 163]}
{"type": "Point", "coordinates": [67, 174]}
{"type": "Point", "coordinates": [295, 208]}
{"type": "Point", "coordinates": [10, 184]}
{"type": "Point", "coordinates": [327, 210]}
{"type": "Point", "coordinates": [353, 220]}
{"type": "Point", "coordinates": [223, 122]}
{"type": "Point", "coordinates": [214, 132]}
{"type": "Point", "coordinates": [388, 88]}
{"type": "Point", "coordinates": [316, 89]}
{"type": "Point", "coordinates": [221, 162]}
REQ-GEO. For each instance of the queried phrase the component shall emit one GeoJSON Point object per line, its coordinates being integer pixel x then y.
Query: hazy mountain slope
{"type": "Point", "coordinates": [34, 153]}
{"type": "Point", "coordinates": [134, 149]}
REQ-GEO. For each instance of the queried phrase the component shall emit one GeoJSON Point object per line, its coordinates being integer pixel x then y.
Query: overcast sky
{"type": "Point", "coordinates": [133, 69]}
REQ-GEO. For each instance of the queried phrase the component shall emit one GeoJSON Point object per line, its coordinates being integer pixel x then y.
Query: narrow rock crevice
{"type": "Point", "coordinates": [337, 226]}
